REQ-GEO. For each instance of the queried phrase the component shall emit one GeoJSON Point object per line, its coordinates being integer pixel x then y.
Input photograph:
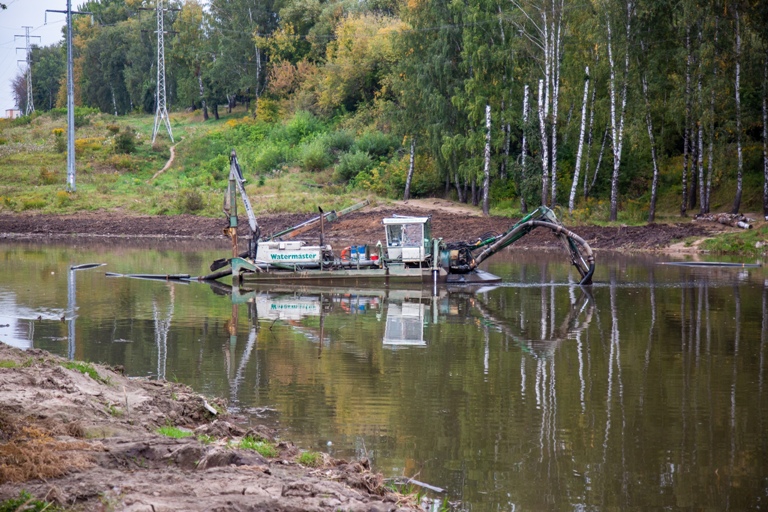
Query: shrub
{"type": "Point", "coordinates": [267, 111]}
{"type": "Point", "coordinates": [300, 127]}
{"type": "Point", "coordinates": [218, 167]}
{"type": "Point", "coordinates": [33, 203]}
{"type": "Point", "coordinates": [425, 180]}
{"type": "Point", "coordinates": [122, 163]}
{"type": "Point", "coordinates": [81, 120]}
{"type": "Point", "coordinates": [376, 144]}
{"type": "Point", "coordinates": [314, 156]}
{"type": "Point", "coordinates": [270, 157]}
{"type": "Point", "coordinates": [63, 198]}
{"type": "Point", "coordinates": [113, 128]}
{"type": "Point", "coordinates": [22, 121]}
{"type": "Point", "coordinates": [125, 141]}
{"type": "Point", "coordinates": [47, 177]}
{"type": "Point", "coordinates": [88, 144]}
{"type": "Point", "coordinates": [189, 201]}
{"type": "Point", "coordinates": [339, 140]}
{"type": "Point", "coordinates": [371, 181]}
{"type": "Point", "coordinates": [60, 141]}
{"type": "Point", "coordinates": [351, 164]}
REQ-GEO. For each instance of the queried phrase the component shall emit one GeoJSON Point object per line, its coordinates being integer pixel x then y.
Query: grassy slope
{"type": "Point", "coordinates": [33, 173]}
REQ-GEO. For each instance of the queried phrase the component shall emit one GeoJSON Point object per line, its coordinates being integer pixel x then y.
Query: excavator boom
{"type": "Point", "coordinates": [581, 254]}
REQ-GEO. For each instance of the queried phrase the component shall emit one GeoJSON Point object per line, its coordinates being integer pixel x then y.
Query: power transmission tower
{"type": "Point", "coordinates": [70, 97]}
{"type": "Point", "coordinates": [161, 112]}
{"type": "Point", "coordinates": [30, 107]}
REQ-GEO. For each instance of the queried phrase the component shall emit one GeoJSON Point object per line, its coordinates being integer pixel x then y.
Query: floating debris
{"type": "Point", "coordinates": [86, 266]}
{"type": "Point", "coordinates": [153, 277]}
{"type": "Point", "coordinates": [710, 264]}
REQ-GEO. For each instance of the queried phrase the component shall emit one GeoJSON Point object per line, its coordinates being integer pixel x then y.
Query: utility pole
{"type": "Point", "coordinates": [161, 110]}
{"type": "Point", "coordinates": [70, 98]}
{"type": "Point", "coordinates": [30, 107]}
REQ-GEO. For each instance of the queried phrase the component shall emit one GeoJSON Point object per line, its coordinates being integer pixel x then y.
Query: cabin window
{"type": "Point", "coordinates": [412, 235]}
{"type": "Point", "coordinates": [394, 232]}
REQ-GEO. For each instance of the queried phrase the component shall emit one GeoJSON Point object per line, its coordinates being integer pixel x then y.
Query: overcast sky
{"type": "Point", "coordinates": [22, 13]}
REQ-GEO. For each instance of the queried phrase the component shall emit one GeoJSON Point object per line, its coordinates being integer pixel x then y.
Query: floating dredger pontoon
{"type": "Point", "coordinates": [410, 255]}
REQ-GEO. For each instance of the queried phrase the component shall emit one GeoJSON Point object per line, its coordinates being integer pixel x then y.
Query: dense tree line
{"type": "Point", "coordinates": [546, 101]}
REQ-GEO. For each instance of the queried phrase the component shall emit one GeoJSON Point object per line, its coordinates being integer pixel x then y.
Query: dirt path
{"type": "Point", "coordinates": [90, 443]}
{"type": "Point", "coordinates": [168, 164]}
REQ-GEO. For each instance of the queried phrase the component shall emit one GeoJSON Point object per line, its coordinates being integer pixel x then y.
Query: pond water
{"type": "Point", "coordinates": [647, 391]}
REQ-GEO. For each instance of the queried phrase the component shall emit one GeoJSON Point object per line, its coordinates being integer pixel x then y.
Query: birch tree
{"type": "Point", "coordinates": [686, 129]}
{"type": "Point", "coordinates": [411, 165]}
{"type": "Point", "coordinates": [524, 151]}
{"type": "Point", "coordinates": [487, 161]}
{"type": "Point", "coordinates": [617, 119]}
{"type": "Point", "coordinates": [649, 125]}
{"type": "Point", "coordinates": [700, 131]}
{"type": "Point", "coordinates": [737, 92]}
{"type": "Point", "coordinates": [544, 144]}
{"type": "Point", "coordinates": [711, 135]}
{"type": "Point", "coordinates": [576, 169]}
{"type": "Point", "coordinates": [765, 138]}
{"type": "Point", "coordinates": [542, 25]}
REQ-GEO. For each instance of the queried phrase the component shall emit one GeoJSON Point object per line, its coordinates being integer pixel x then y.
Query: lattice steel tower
{"type": "Point", "coordinates": [30, 107]}
{"type": "Point", "coordinates": [161, 113]}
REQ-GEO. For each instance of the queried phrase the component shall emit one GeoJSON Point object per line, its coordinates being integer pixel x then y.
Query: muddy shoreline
{"type": "Point", "coordinates": [360, 227]}
{"type": "Point", "coordinates": [89, 441]}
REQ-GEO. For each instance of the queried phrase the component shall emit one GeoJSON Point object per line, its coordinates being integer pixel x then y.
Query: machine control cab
{"type": "Point", "coordinates": [409, 239]}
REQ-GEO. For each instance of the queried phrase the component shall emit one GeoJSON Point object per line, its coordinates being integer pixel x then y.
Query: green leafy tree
{"type": "Point", "coordinates": [48, 69]}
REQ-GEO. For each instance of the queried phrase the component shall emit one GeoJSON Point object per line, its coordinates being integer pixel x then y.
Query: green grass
{"type": "Point", "coordinates": [743, 243]}
{"type": "Point", "coordinates": [9, 364]}
{"type": "Point", "coordinates": [206, 439]}
{"type": "Point", "coordinates": [174, 432]}
{"type": "Point", "coordinates": [310, 459]}
{"type": "Point", "coordinates": [27, 503]}
{"type": "Point", "coordinates": [263, 448]}
{"type": "Point", "coordinates": [115, 411]}
{"type": "Point", "coordinates": [85, 369]}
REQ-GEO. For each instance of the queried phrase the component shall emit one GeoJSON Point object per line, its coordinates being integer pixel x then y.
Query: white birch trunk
{"type": "Point", "coordinates": [700, 152]}
{"type": "Point", "coordinates": [765, 139]}
{"type": "Point", "coordinates": [556, 58]}
{"type": "Point", "coordinates": [411, 165]}
{"type": "Point", "coordinates": [740, 170]}
{"type": "Point", "coordinates": [589, 137]}
{"type": "Point", "coordinates": [487, 164]}
{"type": "Point", "coordinates": [202, 95]}
{"type": "Point", "coordinates": [544, 145]}
{"type": "Point", "coordinates": [710, 158]}
{"type": "Point", "coordinates": [617, 125]}
{"type": "Point", "coordinates": [524, 153]}
{"type": "Point", "coordinates": [599, 159]}
{"type": "Point", "coordinates": [505, 163]}
{"type": "Point", "coordinates": [576, 171]}
{"type": "Point", "coordinates": [649, 124]}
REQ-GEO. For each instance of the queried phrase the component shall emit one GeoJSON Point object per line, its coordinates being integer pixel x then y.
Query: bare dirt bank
{"type": "Point", "coordinates": [450, 221]}
{"type": "Point", "coordinates": [89, 443]}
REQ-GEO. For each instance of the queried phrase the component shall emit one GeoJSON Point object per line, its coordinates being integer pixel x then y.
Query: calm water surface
{"type": "Point", "coordinates": [648, 392]}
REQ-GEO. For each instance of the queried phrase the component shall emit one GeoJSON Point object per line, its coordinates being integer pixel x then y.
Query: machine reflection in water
{"type": "Point", "coordinates": [405, 313]}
